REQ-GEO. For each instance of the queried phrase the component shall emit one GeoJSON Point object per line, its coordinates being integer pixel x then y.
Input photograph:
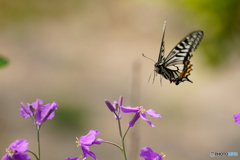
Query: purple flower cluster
{"type": "Point", "coordinates": [148, 154]}
{"type": "Point", "coordinates": [139, 112]}
{"type": "Point", "coordinates": [88, 140]}
{"type": "Point", "coordinates": [38, 111]}
{"type": "Point", "coordinates": [85, 141]}
{"type": "Point", "coordinates": [115, 107]}
{"type": "Point", "coordinates": [17, 151]}
{"type": "Point", "coordinates": [237, 117]}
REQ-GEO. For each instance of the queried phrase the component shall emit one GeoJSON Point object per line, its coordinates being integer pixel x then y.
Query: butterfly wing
{"type": "Point", "coordinates": [162, 48]}
{"type": "Point", "coordinates": [177, 64]}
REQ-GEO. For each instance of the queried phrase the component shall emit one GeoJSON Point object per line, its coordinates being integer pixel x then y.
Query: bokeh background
{"type": "Point", "coordinates": [79, 53]}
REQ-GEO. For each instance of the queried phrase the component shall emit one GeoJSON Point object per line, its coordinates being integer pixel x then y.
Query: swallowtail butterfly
{"type": "Point", "coordinates": [176, 66]}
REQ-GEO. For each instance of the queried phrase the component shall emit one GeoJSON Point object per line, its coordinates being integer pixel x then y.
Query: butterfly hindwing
{"type": "Point", "coordinates": [177, 63]}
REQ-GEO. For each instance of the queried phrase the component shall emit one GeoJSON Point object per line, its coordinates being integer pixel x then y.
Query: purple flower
{"type": "Point", "coordinates": [40, 112]}
{"type": "Point", "coordinates": [16, 151]}
{"type": "Point", "coordinates": [115, 107]}
{"type": "Point", "coordinates": [74, 158]}
{"type": "Point", "coordinates": [140, 112]}
{"type": "Point", "coordinates": [148, 154]}
{"type": "Point", "coordinates": [88, 140]}
{"type": "Point", "coordinates": [110, 106]}
{"type": "Point", "coordinates": [237, 117]}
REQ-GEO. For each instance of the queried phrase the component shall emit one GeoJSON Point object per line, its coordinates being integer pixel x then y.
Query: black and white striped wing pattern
{"type": "Point", "coordinates": [177, 67]}
{"type": "Point", "coordinates": [162, 47]}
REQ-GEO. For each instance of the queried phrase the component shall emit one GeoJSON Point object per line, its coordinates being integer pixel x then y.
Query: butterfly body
{"type": "Point", "coordinates": [176, 66]}
{"type": "Point", "coordinates": [159, 67]}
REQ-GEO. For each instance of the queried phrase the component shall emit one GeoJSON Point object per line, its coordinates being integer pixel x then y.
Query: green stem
{"type": "Point", "coordinates": [33, 154]}
{"type": "Point", "coordinates": [119, 126]}
{"type": "Point", "coordinates": [123, 146]}
{"type": "Point", "coordinates": [123, 150]}
{"type": "Point", "coordinates": [38, 141]}
{"type": "Point", "coordinates": [122, 138]}
{"type": "Point", "coordinates": [113, 144]}
{"type": "Point", "coordinates": [126, 133]}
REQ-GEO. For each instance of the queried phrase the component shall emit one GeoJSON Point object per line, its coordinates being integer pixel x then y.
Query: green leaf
{"type": "Point", "coordinates": [3, 61]}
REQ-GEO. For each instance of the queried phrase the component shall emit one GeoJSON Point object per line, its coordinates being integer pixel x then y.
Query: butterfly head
{"type": "Point", "coordinates": [158, 67]}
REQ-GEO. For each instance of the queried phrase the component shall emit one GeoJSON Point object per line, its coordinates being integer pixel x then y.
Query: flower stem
{"type": "Point", "coordinates": [123, 146]}
{"type": "Point", "coordinates": [33, 154]}
{"type": "Point", "coordinates": [122, 138]}
{"type": "Point", "coordinates": [112, 144]}
{"type": "Point", "coordinates": [123, 149]}
{"type": "Point", "coordinates": [38, 141]}
{"type": "Point", "coordinates": [119, 126]}
{"type": "Point", "coordinates": [125, 133]}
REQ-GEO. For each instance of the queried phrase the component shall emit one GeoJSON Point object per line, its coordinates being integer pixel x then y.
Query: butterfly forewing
{"type": "Point", "coordinates": [162, 48]}
{"type": "Point", "coordinates": [183, 48]}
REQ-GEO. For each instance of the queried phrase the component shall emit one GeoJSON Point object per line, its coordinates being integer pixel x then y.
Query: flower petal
{"type": "Point", "coordinates": [27, 110]}
{"type": "Point", "coordinates": [89, 138]}
{"type": "Point", "coordinates": [97, 141]}
{"type": "Point", "coordinates": [49, 114]}
{"type": "Point", "coordinates": [120, 101]}
{"type": "Point", "coordinates": [143, 116]}
{"type": "Point", "coordinates": [38, 116]}
{"type": "Point", "coordinates": [21, 156]}
{"type": "Point", "coordinates": [119, 113]}
{"type": "Point", "coordinates": [74, 158]}
{"type": "Point", "coordinates": [153, 113]}
{"type": "Point", "coordinates": [86, 151]}
{"type": "Point", "coordinates": [110, 106]}
{"type": "Point", "coordinates": [46, 108]}
{"type": "Point", "coordinates": [130, 109]}
{"type": "Point", "coordinates": [5, 157]}
{"type": "Point", "coordinates": [132, 122]}
{"type": "Point", "coordinates": [148, 154]}
{"type": "Point", "coordinates": [20, 145]}
{"type": "Point", "coordinates": [23, 113]}
{"type": "Point", "coordinates": [37, 103]}
{"type": "Point", "coordinates": [237, 117]}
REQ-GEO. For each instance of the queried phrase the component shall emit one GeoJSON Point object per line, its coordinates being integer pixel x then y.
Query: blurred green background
{"type": "Point", "coordinates": [79, 53]}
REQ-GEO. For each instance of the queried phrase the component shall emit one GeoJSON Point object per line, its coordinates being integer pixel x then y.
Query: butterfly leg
{"type": "Point", "coordinates": [161, 77]}
{"type": "Point", "coordinates": [150, 76]}
{"type": "Point", "coordinates": [154, 75]}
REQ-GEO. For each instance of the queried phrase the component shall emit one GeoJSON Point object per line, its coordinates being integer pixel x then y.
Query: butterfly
{"type": "Point", "coordinates": [176, 66]}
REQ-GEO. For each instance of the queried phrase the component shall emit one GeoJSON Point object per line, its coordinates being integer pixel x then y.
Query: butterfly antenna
{"type": "Point", "coordinates": [148, 57]}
